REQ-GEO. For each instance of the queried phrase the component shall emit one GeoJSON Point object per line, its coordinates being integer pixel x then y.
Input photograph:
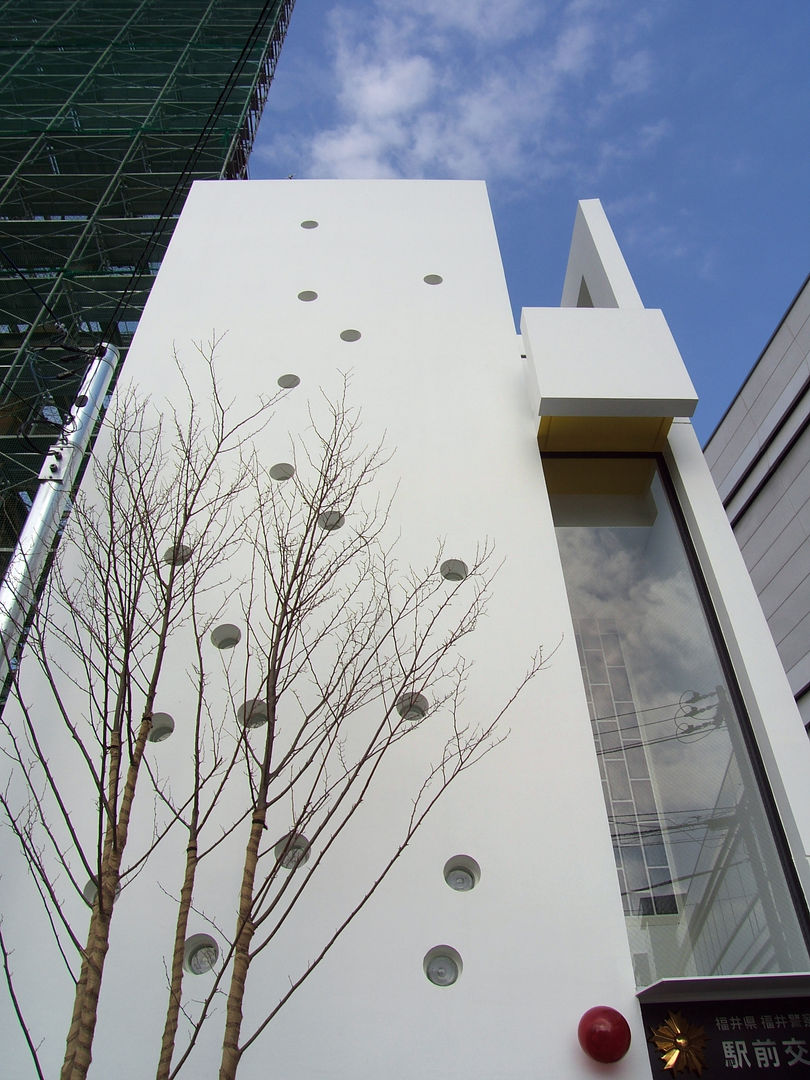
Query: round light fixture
{"type": "Point", "coordinates": [462, 873]}
{"type": "Point", "coordinates": [412, 707]}
{"type": "Point", "coordinates": [442, 965]}
{"type": "Point", "coordinates": [200, 954]}
{"type": "Point", "coordinates": [282, 471]}
{"type": "Point", "coordinates": [226, 636]}
{"type": "Point", "coordinates": [453, 570]}
{"type": "Point", "coordinates": [329, 520]}
{"type": "Point", "coordinates": [90, 891]}
{"type": "Point", "coordinates": [162, 727]}
{"type": "Point", "coordinates": [177, 554]}
{"type": "Point", "coordinates": [291, 851]}
{"type": "Point", "coordinates": [307, 294]}
{"type": "Point", "coordinates": [253, 713]}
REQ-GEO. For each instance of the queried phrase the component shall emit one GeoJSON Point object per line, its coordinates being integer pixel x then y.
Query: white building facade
{"type": "Point", "coordinates": [759, 456]}
{"type": "Point", "coordinates": [640, 838]}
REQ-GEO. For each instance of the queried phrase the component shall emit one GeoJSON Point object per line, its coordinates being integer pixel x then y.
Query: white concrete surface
{"type": "Point", "coordinates": [596, 260]}
{"type": "Point", "coordinates": [606, 362]}
{"type": "Point", "coordinates": [438, 374]}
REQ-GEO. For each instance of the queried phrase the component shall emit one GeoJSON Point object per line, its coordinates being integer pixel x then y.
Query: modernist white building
{"type": "Point", "coordinates": [759, 456]}
{"type": "Point", "coordinates": [640, 838]}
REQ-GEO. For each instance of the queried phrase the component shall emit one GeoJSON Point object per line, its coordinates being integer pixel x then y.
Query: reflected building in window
{"type": "Point", "coordinates": [702, 879]}
{"type": "Point", "coordinates": [645, 877]}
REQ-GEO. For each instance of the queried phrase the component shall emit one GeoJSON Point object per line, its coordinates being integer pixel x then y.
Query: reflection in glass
{"type": "Point", "coordinates": [702, 883]}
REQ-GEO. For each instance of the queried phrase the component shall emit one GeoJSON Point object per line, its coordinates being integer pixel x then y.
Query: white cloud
{"type": "Point", "coordinates": [480, 19]}
{"type": "Point", "coordinates": [573, 50]}
{"type": "Point", "coordinates": [373, 90]}
{"type": "Point", "coordinates": [360, 151]}
{"type": "Point", "coordinates": [631, 143]}
{"type": "Point", "coordinates": [633, 74]}
{"type": "Point", "coordinates": [468, 88]}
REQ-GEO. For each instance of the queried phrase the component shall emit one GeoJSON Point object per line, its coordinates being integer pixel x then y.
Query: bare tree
{"type": "Point", "coordinates": [142, 545]}
{"type": "Point", "coordinates": [346, 655]}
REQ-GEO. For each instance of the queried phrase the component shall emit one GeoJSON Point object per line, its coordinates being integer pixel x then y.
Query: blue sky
{"type": "Point", "coordinates": [688, 118]}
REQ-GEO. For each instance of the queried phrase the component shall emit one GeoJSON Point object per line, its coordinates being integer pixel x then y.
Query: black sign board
{"type": "Point", "coordinates": [760, 1038]}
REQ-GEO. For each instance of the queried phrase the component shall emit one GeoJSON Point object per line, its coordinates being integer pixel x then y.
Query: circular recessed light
{"type": "Point", "coordinates": [253, 713]}
{"type": "Point", "coordinates": [331, 520]}
{"type": "Point", "coordinates": [460, 879]}
{"type": "Point", "coordinates": [442, 965]}
{"type": "Point", "coordinates": [291, 851]}
{"type": "Point", "coordinates": [307, 294]}
{"type": "Point", "coordinates": [288, 382]}
{"type": "Point", "coordinates": [177, 554]}
{"type": "Point", "coordinates": [226, 636]}
{"type": "Point", "coordinates": [350, 335]}
{"type": "Point", "coordinates": [283, 471]}
{"type": "Point", "coordinates": [90, 891]}
{"type": "Point", "coordinates": [200, 954]}
{"type": "Point", "coordinates": [453, 570]}
{"type": "Point", "coordinates": [412, 706]}
{"type": "Point", "coordinates": [162, 727]}
{"type": "Point", "coordinates": [433, 279]}
{"type": "Point", "coordinates": [309, 224]}
{"type": "Point", "coordinates": [462, 873]}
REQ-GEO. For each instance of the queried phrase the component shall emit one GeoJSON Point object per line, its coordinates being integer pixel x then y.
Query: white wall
{"type": "Point", "coordinates": [438, 372]}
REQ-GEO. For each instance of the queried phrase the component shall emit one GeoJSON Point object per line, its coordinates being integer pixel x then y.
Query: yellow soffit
{"type": "Point", "coordinates": [574, 433]}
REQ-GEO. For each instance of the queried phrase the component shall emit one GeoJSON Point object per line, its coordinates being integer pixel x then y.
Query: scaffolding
{"type": "Point", "coordinates": [109, 110]}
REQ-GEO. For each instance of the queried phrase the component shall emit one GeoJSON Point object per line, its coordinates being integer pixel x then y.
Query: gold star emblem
{"type": "Point", "coordinates": [681, 1044]}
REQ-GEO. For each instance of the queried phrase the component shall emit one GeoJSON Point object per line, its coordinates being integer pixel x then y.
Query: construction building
{"type": "Point", "coordinates": [109, 110]}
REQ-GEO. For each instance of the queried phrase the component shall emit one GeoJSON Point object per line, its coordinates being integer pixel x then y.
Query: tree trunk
{"type": "Point", "coordinates": [78, 1049]}
{"type": "Point", "coordinates": [241, 956]}
{"type": "Point", "coordinates": [176, 985]}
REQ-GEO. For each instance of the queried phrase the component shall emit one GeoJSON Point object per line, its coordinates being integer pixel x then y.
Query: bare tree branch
{"type": "Point", "coordinates": [347, 656]}
{"type": "Point", "coordinates": [17, 1010]}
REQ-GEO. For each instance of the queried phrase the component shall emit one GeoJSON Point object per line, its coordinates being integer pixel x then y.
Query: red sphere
{"type": "Point", "coordinates": [604, 1034]}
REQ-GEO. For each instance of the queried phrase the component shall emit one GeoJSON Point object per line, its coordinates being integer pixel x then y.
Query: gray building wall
{"type": "Point", "coordinates": [759, 457]}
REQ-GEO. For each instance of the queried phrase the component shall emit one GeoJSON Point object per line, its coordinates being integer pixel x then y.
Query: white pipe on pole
{"type": "Point", "coordinates": [18, 590]}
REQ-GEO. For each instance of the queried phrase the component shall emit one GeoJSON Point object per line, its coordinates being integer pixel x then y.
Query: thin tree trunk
{"type": "Point", "coordinates": [78, 1050]}
{"type": "Point", "coordinates": [101, 909]}
{"type": "Point", "coordinates": [241, 956]}
{"type": "Point", "coordinates": [176, 982]}
{"type": "Point", "coordinates": [79, 1047]}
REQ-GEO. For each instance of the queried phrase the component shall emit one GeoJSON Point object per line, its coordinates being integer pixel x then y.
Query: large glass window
{"type": "Point", "coordinates": [703, 882]}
